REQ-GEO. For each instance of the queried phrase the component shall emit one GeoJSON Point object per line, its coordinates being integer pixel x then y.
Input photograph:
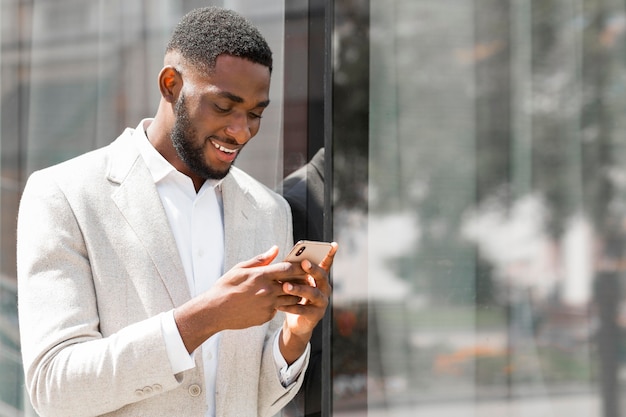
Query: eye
{"type": "Point", "coordinates": [220, 109]}
{"type": "Point", "coordinates": [255, 115]}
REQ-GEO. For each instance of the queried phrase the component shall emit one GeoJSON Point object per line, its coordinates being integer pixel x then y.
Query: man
{"type": "Point", "coordinates": [304, 191]}
{"type": "Point", "coordinates": [123, 304]}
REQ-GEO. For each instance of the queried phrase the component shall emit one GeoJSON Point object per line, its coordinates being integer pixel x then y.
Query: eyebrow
{"type": "Point", "coordinates": [237, 99]}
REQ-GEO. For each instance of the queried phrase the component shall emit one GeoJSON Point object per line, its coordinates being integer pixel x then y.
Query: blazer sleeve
{"type": "Point", "coordinates": [71, 369]}
{"type": "Point", "coordinates": [272, 395]}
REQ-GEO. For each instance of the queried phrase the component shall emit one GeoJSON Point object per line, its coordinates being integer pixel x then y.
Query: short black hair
{"type": "Point", "coordinates": [206, 33]}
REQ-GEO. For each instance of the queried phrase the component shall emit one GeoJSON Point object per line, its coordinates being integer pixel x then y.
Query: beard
{"type": "Point", "coordinates": [182, 135]}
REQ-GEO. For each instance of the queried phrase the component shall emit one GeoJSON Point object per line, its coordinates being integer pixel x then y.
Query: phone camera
{"type": "Point", "coordinates": [300, 251]}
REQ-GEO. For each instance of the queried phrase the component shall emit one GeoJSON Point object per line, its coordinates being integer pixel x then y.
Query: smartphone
{"type": "Point", "coordinates": [314, 251]}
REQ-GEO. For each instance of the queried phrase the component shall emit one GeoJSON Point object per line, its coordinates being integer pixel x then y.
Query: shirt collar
{"type": "Point", "coordinates": [158, 166]}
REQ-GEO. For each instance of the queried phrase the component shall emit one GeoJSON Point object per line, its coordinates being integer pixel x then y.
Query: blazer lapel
{"type": "Point", "coordinates": [239, 226]}
{"type": "Point", "coordinates": [139, 202]}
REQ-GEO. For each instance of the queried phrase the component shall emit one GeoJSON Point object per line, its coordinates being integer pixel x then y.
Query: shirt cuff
{"type": "Point", "coordinates": [180, 359]}
{"type": "Point", "coordinates": [288, 374]}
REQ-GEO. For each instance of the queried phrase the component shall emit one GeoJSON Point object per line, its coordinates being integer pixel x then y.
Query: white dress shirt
{"type": "Point", "coordinates": [196, 220]}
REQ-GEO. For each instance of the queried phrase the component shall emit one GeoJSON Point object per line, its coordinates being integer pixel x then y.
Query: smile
{"type": "Point", "coordinates": [223, 149]}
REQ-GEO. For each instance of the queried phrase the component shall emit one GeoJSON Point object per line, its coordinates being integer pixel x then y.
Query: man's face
{"type": "Point", "coordinates": [189, 151]}
{"type": "Point", "coordinates": [217, 114]}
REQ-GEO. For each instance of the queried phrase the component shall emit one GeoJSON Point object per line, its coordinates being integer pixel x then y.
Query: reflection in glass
{"type": "Point", "coordinates": [483, 246]}
{"type": "Point", "coordinates": [75, 73]}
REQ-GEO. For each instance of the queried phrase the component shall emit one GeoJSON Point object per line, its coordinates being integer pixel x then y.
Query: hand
{"type": "Point", "coordinates": [247, 295]}
{"type": "Point", "coordinates": [301, 318]}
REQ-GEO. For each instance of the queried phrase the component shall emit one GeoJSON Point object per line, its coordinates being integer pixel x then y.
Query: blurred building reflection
{"type": "Point", "coordinates": [487, 248]}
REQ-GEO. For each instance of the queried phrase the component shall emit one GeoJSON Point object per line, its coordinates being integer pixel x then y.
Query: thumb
{"type": "Point", "coordinates": [262, 259]}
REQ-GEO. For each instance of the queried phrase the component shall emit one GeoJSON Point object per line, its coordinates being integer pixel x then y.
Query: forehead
{"type": "Point", "coordinates": [237, 77]}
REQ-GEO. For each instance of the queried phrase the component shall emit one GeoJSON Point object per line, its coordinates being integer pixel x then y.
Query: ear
{"type": "Point", "coordinates": [170, 83]}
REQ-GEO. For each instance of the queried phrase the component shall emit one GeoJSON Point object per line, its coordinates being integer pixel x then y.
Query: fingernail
{"type": "Point", "coordinates": [289, 286]}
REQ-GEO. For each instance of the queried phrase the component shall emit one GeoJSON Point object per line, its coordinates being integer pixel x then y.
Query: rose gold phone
{"type": "Point", "coordinates": [308, 249]}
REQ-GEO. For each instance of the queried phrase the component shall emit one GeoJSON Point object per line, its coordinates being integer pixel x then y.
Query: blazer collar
{"type": "Point", "coordinates": [239, 224]}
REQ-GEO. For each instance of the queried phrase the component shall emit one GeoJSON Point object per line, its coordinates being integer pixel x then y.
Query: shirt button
{"type": "Point", "coordinates": [195, 390]}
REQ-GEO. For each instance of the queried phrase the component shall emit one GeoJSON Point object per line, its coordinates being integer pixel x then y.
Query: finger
{"type": "Point", "coordinates": [299, 309]}
{"type": "Point", "coordinates": [261, 259]}
{"type": "Point", "coordinates": [318, 275]}
{"type": "Point", "coordinates": [287, 300]}
{"type": "Point", "coordinates": [327, 262]}
{"type": "Point", "coordinates": [309, 294]}
{"type": "Point", "coordinates": [286, 271]}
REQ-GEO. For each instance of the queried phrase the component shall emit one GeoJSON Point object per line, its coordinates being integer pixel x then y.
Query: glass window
{"type": "Point", "coordinates": [475, 153]}
{"type": "Point", "coordinates": [479, 201]}
{"type": "Point", "coordinates": [74, 74]}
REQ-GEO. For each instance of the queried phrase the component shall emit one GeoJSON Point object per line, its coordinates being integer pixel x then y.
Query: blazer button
{"type": "Point", "coordinates": [195, 390]}
{"type": "Point", "coordinates": [147, 390]}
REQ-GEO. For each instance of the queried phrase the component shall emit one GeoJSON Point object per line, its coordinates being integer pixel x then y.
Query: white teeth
{"type": "Point", "coordinates": [223, 149]}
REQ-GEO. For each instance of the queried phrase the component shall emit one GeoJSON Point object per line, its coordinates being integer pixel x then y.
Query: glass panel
{"type": "Point", "coordinates": [74, 74]}
{"type": "Point", "coordinates": [481, 267]}
{"type": "Point", "coordinates": [351, 332]}
{"type": "Point", "coordinates": [263, 157]}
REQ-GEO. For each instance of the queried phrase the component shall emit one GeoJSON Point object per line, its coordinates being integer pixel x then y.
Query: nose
{"type": "Point", "coordinates": [239, 129]}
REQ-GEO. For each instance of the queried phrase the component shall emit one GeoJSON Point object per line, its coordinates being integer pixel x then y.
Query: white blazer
{"type": "Point", "coordinates": [97, 264]}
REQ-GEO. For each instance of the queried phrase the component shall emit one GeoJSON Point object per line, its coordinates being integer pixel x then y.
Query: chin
{"type": "Point", "coordinates": [213, 174]}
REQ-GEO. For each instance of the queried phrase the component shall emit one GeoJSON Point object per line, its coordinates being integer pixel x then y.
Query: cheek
{"type": "Point", "coordinates": [199, 112]}
{"type": "Point", "coordinates": [203, 125]}
{"type": "Point", "coordinates": [255, 125]}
